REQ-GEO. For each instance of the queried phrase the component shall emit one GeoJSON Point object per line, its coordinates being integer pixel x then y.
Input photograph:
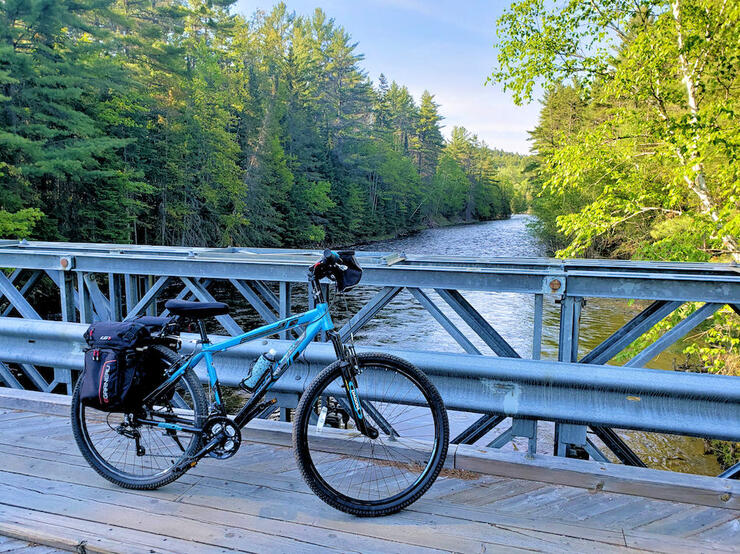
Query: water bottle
{"type": "Point", "coordinates": [263, 364]}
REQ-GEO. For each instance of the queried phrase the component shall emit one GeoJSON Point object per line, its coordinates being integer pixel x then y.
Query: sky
{"type": "Point", "coordinates": [444, 46]}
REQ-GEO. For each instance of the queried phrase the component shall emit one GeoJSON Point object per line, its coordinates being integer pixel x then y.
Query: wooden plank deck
{"type": "Point", "coordinates": [257, 502]}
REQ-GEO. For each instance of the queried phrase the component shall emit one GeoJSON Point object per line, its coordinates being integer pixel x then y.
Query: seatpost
{"type": "Point", "coordinates": [203, 334]}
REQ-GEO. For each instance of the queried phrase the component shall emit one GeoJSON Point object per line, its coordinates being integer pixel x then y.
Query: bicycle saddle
{"type": "Point", "coordinates": [196, 309]}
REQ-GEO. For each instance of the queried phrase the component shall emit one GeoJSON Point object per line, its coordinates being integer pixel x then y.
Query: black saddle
{"type": "Point", "coordinates": [196, 309]}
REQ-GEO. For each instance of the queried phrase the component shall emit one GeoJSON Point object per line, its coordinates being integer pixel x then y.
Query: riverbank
{"type": "Point", "coordinates": [438, 222]}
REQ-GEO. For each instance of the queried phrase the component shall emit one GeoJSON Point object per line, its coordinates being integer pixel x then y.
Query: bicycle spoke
{"type": "Point", "coordinates": [374, 470]}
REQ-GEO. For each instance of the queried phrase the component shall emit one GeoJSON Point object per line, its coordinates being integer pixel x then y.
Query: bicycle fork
{"type": "Point", "coordinates": [350, 369]}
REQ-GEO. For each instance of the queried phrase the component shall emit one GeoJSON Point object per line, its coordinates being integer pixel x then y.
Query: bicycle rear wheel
{"type": "Point", "coordinates": [363, 476]}
{"type": "Point", "coordinates": [141, 456]}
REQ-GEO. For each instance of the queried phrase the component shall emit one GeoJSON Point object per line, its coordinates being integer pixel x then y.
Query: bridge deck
{"type": "Point", "coordinates": [258, 502]}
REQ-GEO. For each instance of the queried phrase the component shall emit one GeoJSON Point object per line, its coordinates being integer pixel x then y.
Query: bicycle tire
{"type": "Point", "coordinates": [397, 459]}
{"type": "Point", "coordinates": [191, 387]}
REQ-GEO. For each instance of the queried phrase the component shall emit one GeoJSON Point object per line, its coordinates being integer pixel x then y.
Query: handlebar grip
{"type": "Point", "coordinates": [331, 256]}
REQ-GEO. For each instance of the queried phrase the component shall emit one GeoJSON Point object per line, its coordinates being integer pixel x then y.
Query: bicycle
{"type": "Point", "coordinates": [370, 432]}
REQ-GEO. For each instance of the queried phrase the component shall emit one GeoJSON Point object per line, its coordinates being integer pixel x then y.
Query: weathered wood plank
{"type": "Point", "coordinates": [439, 531]}
{"type": "Point", "coordinates": [655, 543]}
{"type": "Point", "coordinates": [68, 533]}
{"type": "Point", "coordinates": [727, 533]}
{"type": "Point", "coordinates": [689, 521]}
{"type": "Point", "coordinates": [274, 505]}
{"type": "Point", "coordinates": [631, 515]}
{"type": "Point", "coordinates": [485, 494]}
{"type": "Point", "coordinates": [166, 502]}
{"type": "Point", "coordinates": [8, 544]}
{"type": "Point", "coordinates": [707, 491]}
{"type": "Point", "coordinates": [12, 415]}
{"type": "Point", "coordinates": [644, 482]}
{"type": "Point", "coordinates": [86, 503]}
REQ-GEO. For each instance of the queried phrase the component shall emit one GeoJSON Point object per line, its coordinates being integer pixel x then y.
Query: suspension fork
{"type": "Point", "coordinates": [350, 368]}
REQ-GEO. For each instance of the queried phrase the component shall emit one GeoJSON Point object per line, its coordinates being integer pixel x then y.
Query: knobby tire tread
{"type": "Point", "coordinates": [195, 386]}
{"type": "Point", "coordinates": [300, 442]}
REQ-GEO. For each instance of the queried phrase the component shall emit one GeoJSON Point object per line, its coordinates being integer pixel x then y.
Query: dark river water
{"type": "Point", "coordinates": [405, 324]}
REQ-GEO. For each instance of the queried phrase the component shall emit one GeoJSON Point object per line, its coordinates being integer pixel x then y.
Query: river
{"type": "Point", "coordinates": [406, 325]}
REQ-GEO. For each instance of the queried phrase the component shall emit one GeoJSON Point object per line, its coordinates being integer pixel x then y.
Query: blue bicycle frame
{"type": "Point", "coordinates": [316, 321]}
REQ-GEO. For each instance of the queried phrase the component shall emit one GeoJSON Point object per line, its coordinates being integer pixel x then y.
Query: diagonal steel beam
{"type": "Point", "coordinates": [151, 295]}
{"type": "Point", "coordinates": [477, 323]}
{"type": "Point", "coordinates": [368, 311]}
{"type": "Point", "coordinates": [12, 278]}
{"type": "Point", "coordinates": [478, 429]}
{"type": "Point", "coordinates": [186, 293]}
{"type": "Point", "coordinates": [443, 320]}
{"type": "Point", "coordinates": [674, 334]}
{"type": "Point", "coordinates": [618, 341]}
{"type": "Point", "coordinates": [731, 472]}
{"type": "Point", "coordinates": [630, 331]}
{"type": "Point", "coordinates": [7, 376]}
{"type": "Point", "coordinates": [200, 292]}
{"type": "Point", "coordinates": [268, 295]}
{"type": "Point", "coordinates": [615, 443]}
{"type": "Point", "coordinates": [30, 282]}
{"type": "Point", "coordinates": [594, 452]}
{"type": "Point", "coordinates": [15, 297]}
{"type": "Point", "coordinates": [502, 439]}
{"type": "Point", "coordinates": [36, 377]}
{"type": "Point", "coordinates": [100, 303]}
{"type": "Point", "coordinates": [251, 296]}
{"type": "Point", "coordinates": [373, 412]}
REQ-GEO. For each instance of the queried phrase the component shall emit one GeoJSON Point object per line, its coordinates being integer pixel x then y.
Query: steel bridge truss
{"type": "Point", "coordinates": [98, 282]}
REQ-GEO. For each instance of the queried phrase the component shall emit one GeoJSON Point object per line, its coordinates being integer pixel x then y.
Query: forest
{"type": "Point", "coordinates": [181, 123]}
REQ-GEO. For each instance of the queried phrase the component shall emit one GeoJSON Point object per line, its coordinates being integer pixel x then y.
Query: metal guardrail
{"type": "Point", "coordinates": [122, 281]}
{"type": "Point", "coordinates": [649, 400]}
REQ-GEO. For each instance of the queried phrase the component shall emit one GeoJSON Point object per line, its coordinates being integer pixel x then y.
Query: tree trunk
{"type": "Point", "coordinates": [697, 182]}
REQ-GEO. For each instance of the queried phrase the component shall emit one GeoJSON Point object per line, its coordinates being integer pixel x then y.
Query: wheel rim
{"type": "Point", "coordinates": [360, 470]}
{"type": "Point", "coordinates": [116, 452]}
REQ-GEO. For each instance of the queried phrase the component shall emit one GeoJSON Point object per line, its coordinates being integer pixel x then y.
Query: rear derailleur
{"type": "Point", "coordinates": [127, 429]}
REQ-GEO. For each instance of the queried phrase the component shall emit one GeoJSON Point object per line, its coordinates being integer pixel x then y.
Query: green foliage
{"type": "Point", "coordinates": [637, 144]}
{"type": "Point", "coordinates": [178, 122]}
{"type": "Point", "coordinates": [637, 125]}
{"type": "Point", "coordinates": [18, 225]}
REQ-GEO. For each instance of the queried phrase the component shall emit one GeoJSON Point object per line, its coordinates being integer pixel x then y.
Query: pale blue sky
{"type": "Point", "coordinates": [444, 46]}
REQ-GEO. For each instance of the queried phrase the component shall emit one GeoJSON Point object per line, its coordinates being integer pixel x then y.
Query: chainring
{"type": "Point", "coordinates": [232, 437]}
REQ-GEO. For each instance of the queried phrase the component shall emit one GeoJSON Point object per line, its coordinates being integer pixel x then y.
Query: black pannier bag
{"type": "Point", "coordinates": [113, 375]}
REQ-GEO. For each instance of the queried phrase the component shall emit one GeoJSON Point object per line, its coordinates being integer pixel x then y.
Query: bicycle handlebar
{"type": "Point", "coordinates": [331, 257]}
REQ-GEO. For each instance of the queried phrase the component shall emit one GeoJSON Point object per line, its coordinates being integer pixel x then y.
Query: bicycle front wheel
{"type": "Point", "coordinates": [363, 476]}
